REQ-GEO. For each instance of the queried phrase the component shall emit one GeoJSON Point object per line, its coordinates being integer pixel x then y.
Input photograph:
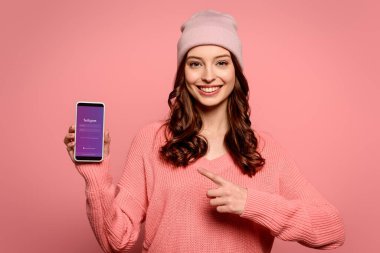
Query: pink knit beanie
{"type": "Point", "coordinates": [209, 27]}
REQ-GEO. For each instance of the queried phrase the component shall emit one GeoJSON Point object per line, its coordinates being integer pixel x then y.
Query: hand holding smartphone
{"type": "Point", "coordinates": [89, 131]}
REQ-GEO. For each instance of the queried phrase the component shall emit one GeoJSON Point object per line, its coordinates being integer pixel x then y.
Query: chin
{"type": "Point", "coordinates": [209, 104]}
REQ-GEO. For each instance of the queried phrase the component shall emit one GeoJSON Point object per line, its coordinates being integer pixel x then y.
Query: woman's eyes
{"type": "Point", "coordinates": [223, 63]}
{"type": "Point", "coordinates": [197, 64]}
{"type": "Point", "coordinates": [194, 64]}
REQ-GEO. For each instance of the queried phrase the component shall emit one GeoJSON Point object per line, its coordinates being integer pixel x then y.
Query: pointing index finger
{"type": "Point", "coordinates": [214, 177]}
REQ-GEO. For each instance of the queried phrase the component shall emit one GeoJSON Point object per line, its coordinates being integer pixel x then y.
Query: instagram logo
{"type": "Point", "coordinates": [89, 120]}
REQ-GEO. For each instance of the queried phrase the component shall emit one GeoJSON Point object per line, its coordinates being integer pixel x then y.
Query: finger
{"type": "Point", "coordinates": [70, 146]}
{"type": "Point", "coordinates": [72, 129]}
{"type": "Point", "coordinates": [69, 137]}
{"type": "Point", "coordinates": [107, 137]}
{"type": "Point", "coordinates": [222, 209]}
{"type": "Point", "coordinates": [214, 177]}
{"type": "Point", "coordinates": [212, 193]}
{"type": "Point", "coordinates": [218, 201]}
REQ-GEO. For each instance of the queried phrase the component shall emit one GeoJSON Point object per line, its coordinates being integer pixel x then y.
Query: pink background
{"type": "Point", "coordinates": [311, 66]}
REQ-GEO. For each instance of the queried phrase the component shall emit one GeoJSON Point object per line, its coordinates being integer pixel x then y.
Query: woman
{"type": "Point", "coordinates": [203, 180]}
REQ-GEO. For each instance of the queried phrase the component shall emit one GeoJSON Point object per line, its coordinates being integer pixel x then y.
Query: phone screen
{"type": "Point", "coordinates": [89, 131]}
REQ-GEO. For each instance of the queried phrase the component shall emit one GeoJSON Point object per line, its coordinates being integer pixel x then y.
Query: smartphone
{"type": "Point", "coordinates": [89, 131]}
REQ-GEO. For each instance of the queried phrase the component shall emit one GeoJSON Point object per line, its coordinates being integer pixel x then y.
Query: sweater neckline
{"type": "Point", "coordinates": [217, 164]}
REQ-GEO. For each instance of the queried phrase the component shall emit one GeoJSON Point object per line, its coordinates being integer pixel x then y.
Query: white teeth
{"type": "Point", "coordinates": [210, 89]}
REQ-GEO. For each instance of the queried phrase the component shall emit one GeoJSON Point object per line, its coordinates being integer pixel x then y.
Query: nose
{"type": "Point", "coordinates": [208, 75]}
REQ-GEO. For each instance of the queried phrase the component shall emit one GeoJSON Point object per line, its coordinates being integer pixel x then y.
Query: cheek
{"type": "Point", "coordinates": [190, 76]}
{"type": "Point", "coordinates": [228, 77]}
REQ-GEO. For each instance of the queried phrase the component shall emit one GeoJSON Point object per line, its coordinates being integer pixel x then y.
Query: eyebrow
{"type": "Point", "coordinates": [200, 58]}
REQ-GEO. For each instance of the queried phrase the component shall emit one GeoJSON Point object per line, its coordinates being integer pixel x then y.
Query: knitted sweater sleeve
{"type": "Point", "coordinates": [298, 213]}
{"type": "Point", "coordinates": [115, 212]}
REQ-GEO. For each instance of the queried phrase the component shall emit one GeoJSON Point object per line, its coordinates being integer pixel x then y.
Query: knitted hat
{"type": "Point", "coordinates": [209, 27]}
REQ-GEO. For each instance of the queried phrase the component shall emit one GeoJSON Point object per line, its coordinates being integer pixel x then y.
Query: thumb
{"type": "Point", "coordinates": [107, 137]}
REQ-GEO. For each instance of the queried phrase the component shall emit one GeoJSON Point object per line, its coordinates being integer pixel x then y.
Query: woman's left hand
{"type": "Point", "coordinates": [228, 197]}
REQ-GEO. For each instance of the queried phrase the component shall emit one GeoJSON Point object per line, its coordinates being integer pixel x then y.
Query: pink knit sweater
{"type": "Point", "coordinates": [177, 213]}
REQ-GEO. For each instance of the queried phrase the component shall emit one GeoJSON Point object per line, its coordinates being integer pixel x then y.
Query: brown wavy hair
{"type": "Point", "coordinates": [184, 144]}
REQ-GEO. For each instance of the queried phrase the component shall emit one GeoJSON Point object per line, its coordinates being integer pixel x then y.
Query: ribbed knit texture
{"type": "Point", "coordinates": [177, 213]}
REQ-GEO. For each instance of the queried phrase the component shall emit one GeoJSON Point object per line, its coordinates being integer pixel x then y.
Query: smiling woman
{"type": "Point", "coordinates": [209, 71]}
{"type": "Point", "coordinates": [210, 79]}
{"type": "Point", "coordinates": [204, 180]}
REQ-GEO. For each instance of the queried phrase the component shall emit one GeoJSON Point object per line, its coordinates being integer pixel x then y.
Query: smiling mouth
{"type": "Point", "coordinates": [209, 88]}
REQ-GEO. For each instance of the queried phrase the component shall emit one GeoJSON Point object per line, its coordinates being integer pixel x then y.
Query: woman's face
{"type": "Point", "coordinates": [209, 74]}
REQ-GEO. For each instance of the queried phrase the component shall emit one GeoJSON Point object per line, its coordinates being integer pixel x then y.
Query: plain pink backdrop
{"type": "Point", "coordinates": [312, 67]}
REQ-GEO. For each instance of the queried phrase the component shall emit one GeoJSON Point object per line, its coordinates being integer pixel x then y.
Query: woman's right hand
{"type": "Point", "coordinates": [70, 142]}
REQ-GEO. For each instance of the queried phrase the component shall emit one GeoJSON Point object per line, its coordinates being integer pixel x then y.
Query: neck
{"type": "Point", "coordinates": [214, 119]}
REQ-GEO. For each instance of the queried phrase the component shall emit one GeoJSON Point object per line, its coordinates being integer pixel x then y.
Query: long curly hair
{"type": "Point", "coordinates": [184, 143]}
